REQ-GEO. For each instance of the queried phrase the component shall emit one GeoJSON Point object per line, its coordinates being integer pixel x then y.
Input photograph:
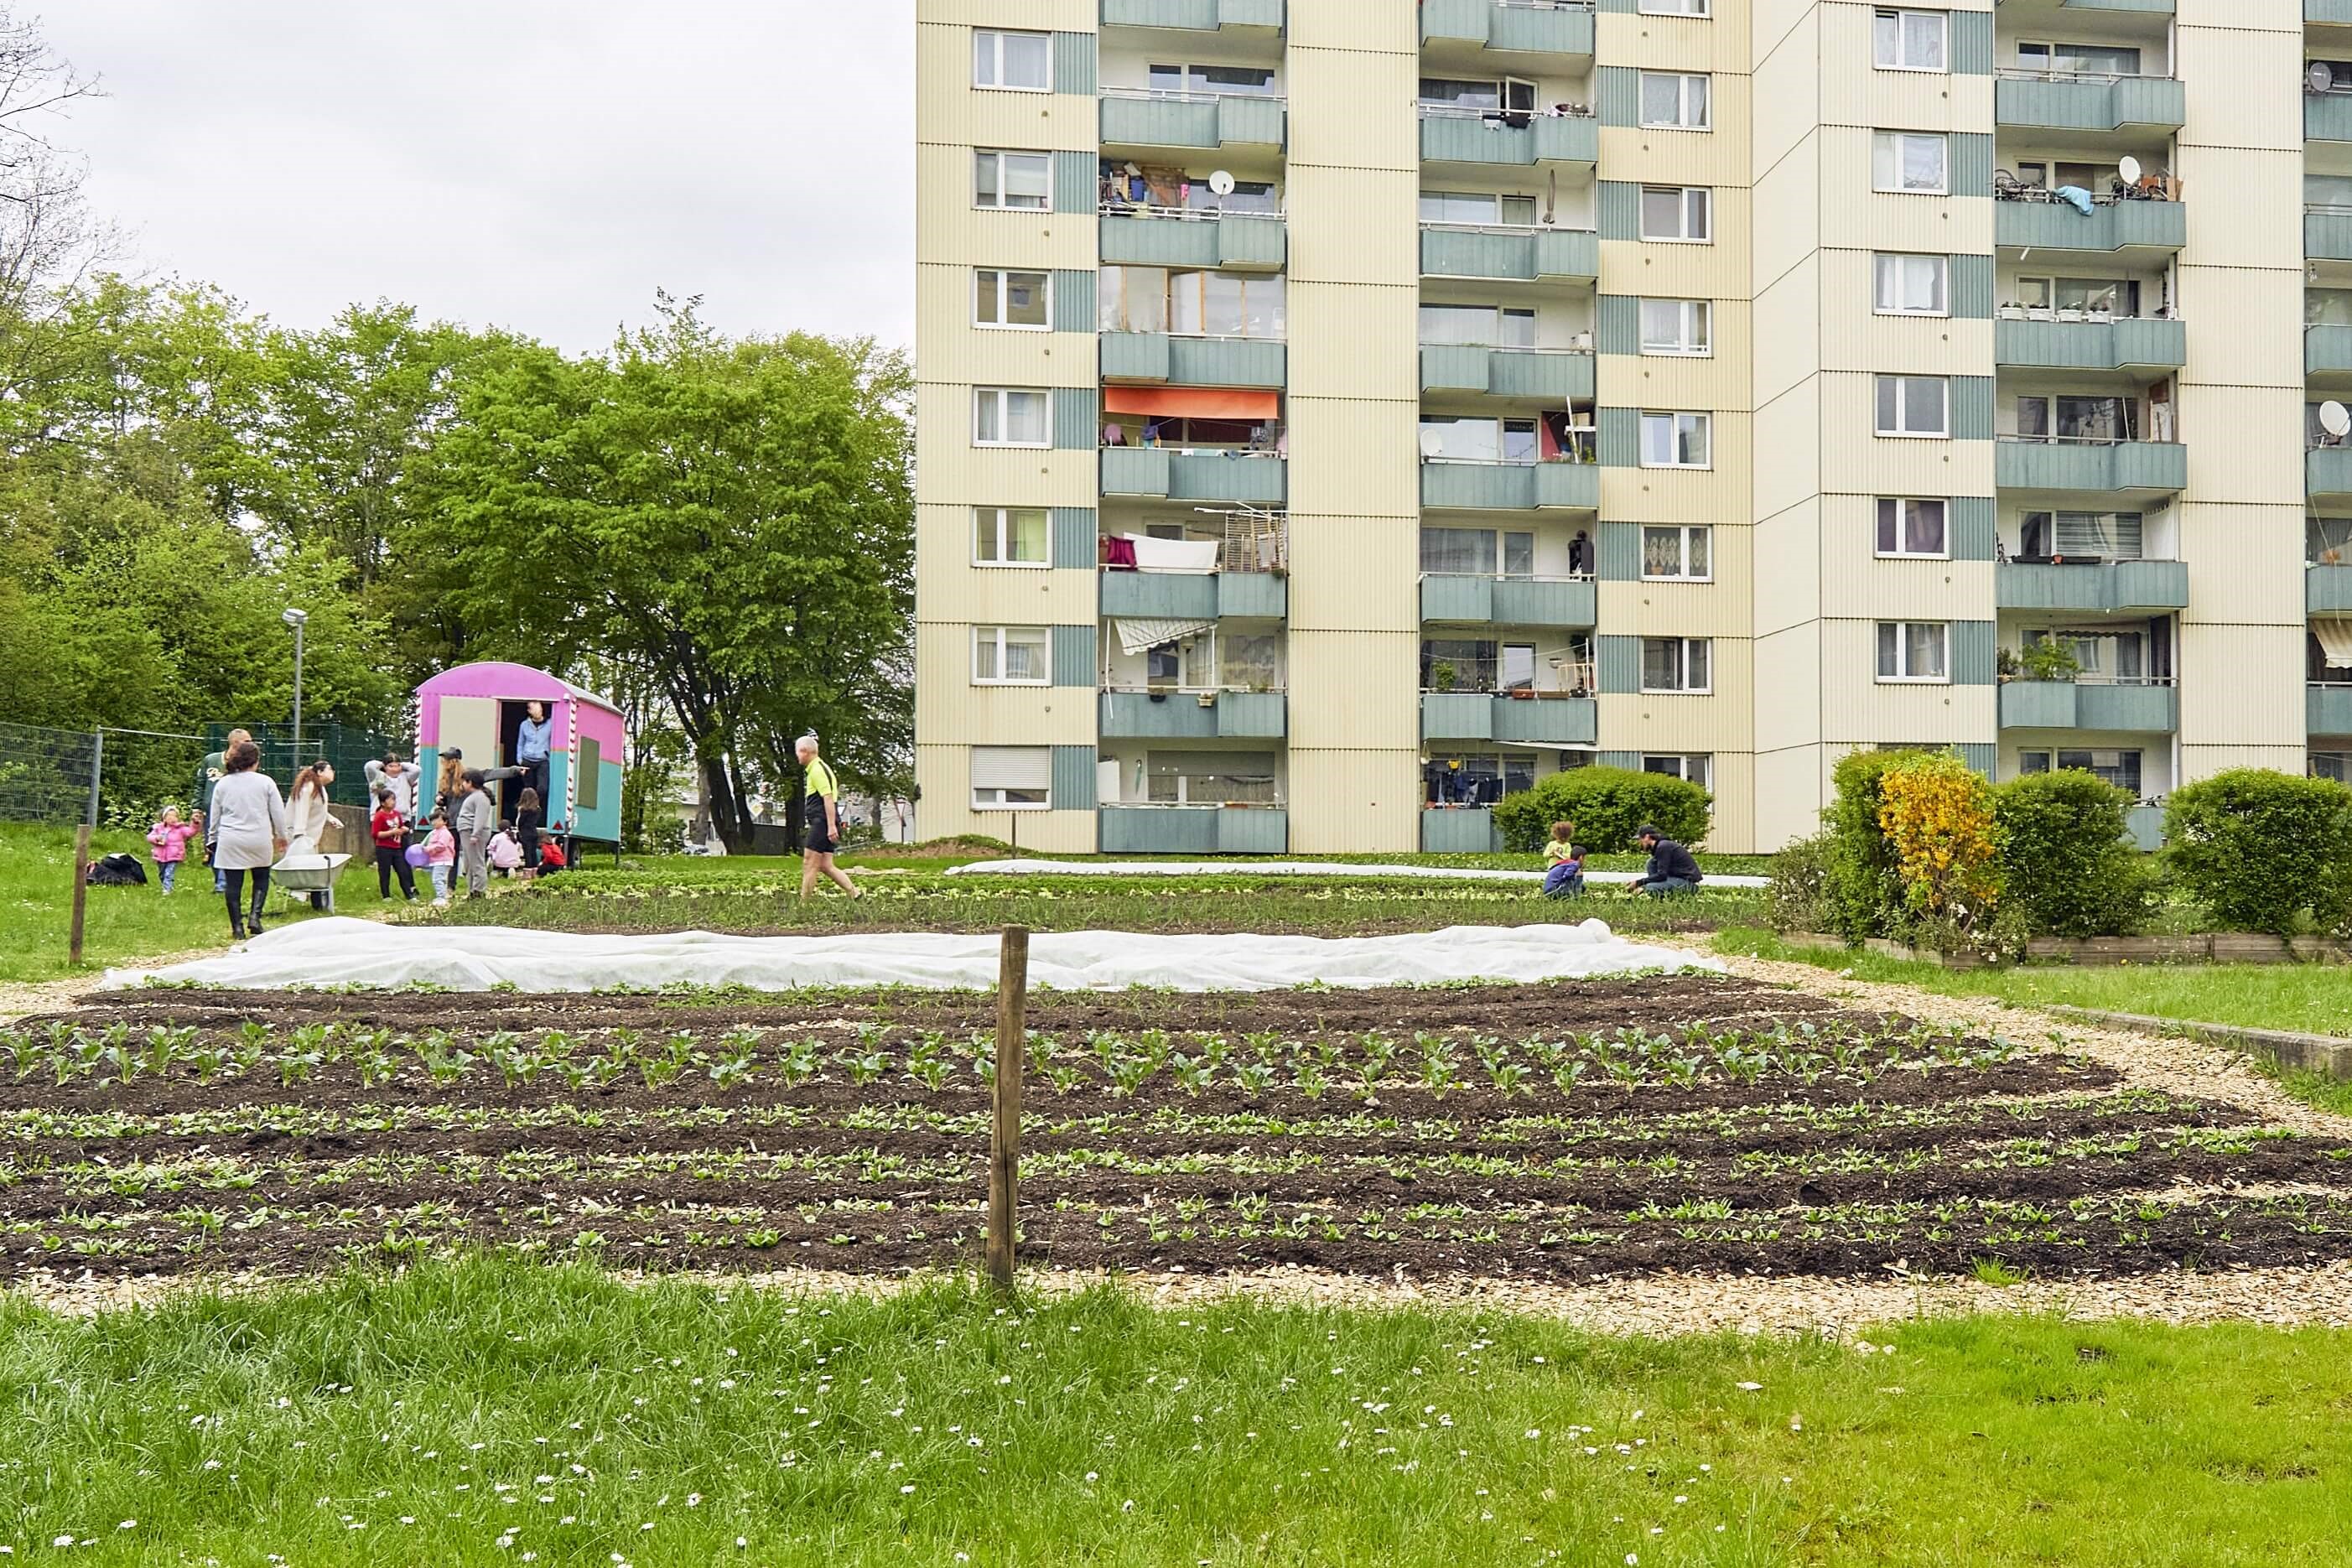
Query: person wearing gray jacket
{"type": "Point", "coordinates": [477, 818]}
{"type": "Point", "coordinates": [246, 828]}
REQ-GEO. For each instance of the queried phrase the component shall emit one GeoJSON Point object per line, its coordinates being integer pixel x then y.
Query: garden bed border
{"type": "Point", "coordinates": [2217, 947]}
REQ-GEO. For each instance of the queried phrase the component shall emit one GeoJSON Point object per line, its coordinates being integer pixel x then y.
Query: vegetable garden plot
{"type": "Point", "coordinates": [1556, 1131]}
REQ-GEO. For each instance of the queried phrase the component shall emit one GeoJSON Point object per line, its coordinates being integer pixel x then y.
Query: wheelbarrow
{"type": "Point", "coordinates": [310, 878]}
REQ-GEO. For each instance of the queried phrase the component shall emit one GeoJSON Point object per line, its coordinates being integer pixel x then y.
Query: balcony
{"type": "Point", "coordinates": [1207, 120]}
{"type": "Point", "coordinates": [1166, 236]}
{"type": "Point", "coordinates": [1549, 719]}
{"type": "Point", "coordinates": [1193, 829]}
{"type": "Point", "coordinates": [1485, 139]}
{"type": "Point", "coordinates": [1527, 255]}
{"type": "Point", "coordinates": [2147, 468]}
{"type": "Point", "coordinates": [2327, 590]}
{"type": "Point", "coordinates": [1510, 486]}
{"type": "Point", "coordinates": [1195, 596]}
{"type": "Point", "coordinates": [1549, 375]}
{"type": "Point", "coordinates": [2327, 116]}
{"type": "Point", "coordinates": [1193, 715]}
{"type": "Point", "coordinates": [2113, 586]}
{"type": "Point", "coordinates": [2327, 711]}
{"type": "Point", "coordinates": [2327, 350]}
{"type": "Point", "coordinates": [1165, 361]}
{"type": "Point", "coordinates": [2327, 471]}
{"type": "Point", "coordinates": [1459, 830]}
{"type": "Point", "coordinates": [2042, 101]}
{"type": "Point", "coordinates": [2327, 234]}
{"type": "Point", "coordinates": [2144, 826]}
{"type": "Point", "coordinates": [1563, 32]}
{"type": "Point", "coordinates": [2134, 344]}
{"type": "Point", "coordinates": [1163, 473]}
{"type": "Point", "coordinates": [2076, 705]}
{"type": "Point", "coordinates": [1193, 16]}
{"type": "Point", "coordinates": [2137, 233]}
{"type": "Point", "coordinates": [2328, 13]}
{"type": "Point", "coordinates": [1508, 600]}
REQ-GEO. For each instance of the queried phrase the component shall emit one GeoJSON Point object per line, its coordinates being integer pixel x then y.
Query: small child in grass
{"type": "Point", "coordinates": [440, 857]}
{"type": "Point", "coordinates": [1563, 862]}
{"type": "Point", "coordinates": [170, 837]}
{"type": "Point", "coordinates": [505, 853]}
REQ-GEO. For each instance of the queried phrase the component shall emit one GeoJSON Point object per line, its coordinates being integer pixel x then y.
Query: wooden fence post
{"type": "Point", "coordinates": [81, 848]}
{"type": "Point", "coordinates": [1004, 1134]}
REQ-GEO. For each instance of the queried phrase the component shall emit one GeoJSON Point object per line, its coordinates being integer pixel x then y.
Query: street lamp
{"type": "Point", "coordinates": [296, 618]}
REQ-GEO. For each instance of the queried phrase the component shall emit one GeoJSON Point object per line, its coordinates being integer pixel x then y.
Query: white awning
{"type": "Point", "coordinates": [2335, 641]}
{"type": "Point", "coordinates": [1136, 636]}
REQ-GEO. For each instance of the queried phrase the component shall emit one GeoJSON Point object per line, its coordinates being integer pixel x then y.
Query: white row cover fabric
{"type": "Point", "coordinates": [1338, 869]}
{"type": "Point", "coordinates": [369, 953]}
{"type": "Point", "coordinates": [1139, 635]}
{"type": "Point", "coordinates": [1193, 556]}
{"type": "Point", "coordinates": [2335, 641]}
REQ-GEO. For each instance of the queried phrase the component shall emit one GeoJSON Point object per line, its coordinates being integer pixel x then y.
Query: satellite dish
{"type": "Point", "coordinates": [2335, 418]}
{"type": "Point", "coordinates": [1432, 443]}
{"type": "Point", "coordinates": [1222, 183]}
{"type": "Point", "coordinates": [2129, 170]}
{"type": "Point", "coordinates": [2321, 78]}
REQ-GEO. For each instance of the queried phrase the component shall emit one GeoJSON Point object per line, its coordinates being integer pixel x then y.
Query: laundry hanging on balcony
{"type": "Point", "coordinates": [2335, 642]}
{"type": "Point", "coordinates": [1198, 556]}
{"type": "Point", "coordinates": [1238, 405]}
{"type": "Point", "coordinates": [1143, 636]}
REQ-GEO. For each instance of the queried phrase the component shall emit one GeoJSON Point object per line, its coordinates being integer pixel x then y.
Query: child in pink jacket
{"type": "Point", "coordinates": [170, 837]}
{"type": "Point", "coordinates": [440, 856]}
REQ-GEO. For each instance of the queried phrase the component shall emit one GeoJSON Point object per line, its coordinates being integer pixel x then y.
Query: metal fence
{"type": "Point", "coordinates": [347, 747]}
{"type": "Point", "coordinates": [125, 776]}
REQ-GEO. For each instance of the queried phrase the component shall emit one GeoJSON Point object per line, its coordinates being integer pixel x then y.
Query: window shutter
{"type": "Point", "coordinates": [1012, 767]}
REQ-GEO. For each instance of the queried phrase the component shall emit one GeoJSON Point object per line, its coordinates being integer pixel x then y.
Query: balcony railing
{"type": "Point", "coordinates": [1517, 26]}
{"type": "Point", "coordinates": [2328, 708]}
{"type": "Point", "coordinates": [2106, 585]}
{"type": "Point", "coordinates": [1466, 599]}
{"type": "Point", "coordinates": [2327, 470]}
{"type": "Point", "coordinates": [1553, 375]}
{"type": "Point", "coordinates": [2327, 590]}
{"type": "Point", "coordinates": [1194, 713]}
{"type": "Point", "coordinates": [1183, 360]}
{"type": "Point", "coordinates": [2035, 220]}
{"type": "Point", "coordinates": [2088, 101]}
{"type": "Point", "coordinates": [1141, 118]}
{"type": "Point", "coordinates": [1193, 15]}
{"type": "Point", "coordinates": [1503, 137]}
{"type": "Point", "coordinates": [2041, 339]}
{"type": "Point", "coordinates": [1506, 251]}
{"type": "Point", "coordinates": [1140, 827]}
{"type": "Point", "coordinates": [1195, 596]}
{"type": "Point", "coordinates": [2149, 707]}
{"type": "Point", "coordinates": [1549, 718]}
{"type": "Point", "coordinates": [1140, 235]}
{"type": "Point", "coordinates": [2091, 464]}
{"type": "Point", "coordinates": [1168, 473]}
{"type": "Point", "coordinates": [2327, 232]}
{"type": "Point", "coordinates": [1448, 484]}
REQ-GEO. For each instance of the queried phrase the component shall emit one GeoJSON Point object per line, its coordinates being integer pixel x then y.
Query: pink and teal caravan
{"type": "Point", "coordinates": [478, 708]}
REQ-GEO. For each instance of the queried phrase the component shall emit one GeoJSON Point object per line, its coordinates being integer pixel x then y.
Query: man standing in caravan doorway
{"type": "Point", "coordinates": [821, 809]}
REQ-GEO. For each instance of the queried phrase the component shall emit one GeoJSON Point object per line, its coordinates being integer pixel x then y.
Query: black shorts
{"type": "Point", "coordinates": [818, 841]}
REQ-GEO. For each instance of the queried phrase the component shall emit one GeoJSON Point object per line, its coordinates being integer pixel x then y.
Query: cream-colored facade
{"type": "Point", "coordinates": [1338, 413]}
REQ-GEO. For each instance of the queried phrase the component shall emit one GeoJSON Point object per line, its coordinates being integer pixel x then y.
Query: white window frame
{"type": "Point", "coordinates": [1903, 407]}
{"type": "Point", "coordinates": [1904, 16]}
{"type": "Point", "coordinates": [1677, 7]}
{"type": "Point", "coordinates": [1684, 196]}
{"type": "Point", "coordinates": [1694, 327]}
{"type": "Point", "coordinates": [1682, 664]}
{"type": "Point", "coordinates": [1705, 422]}
{"type": "Point", "coordinates": [1683, 547]}
{"type": "Point", "coordinates": [997, 520]}
{"type": "Point", "coordinates": [980, 394]}
{"type": "Point", "coordinates": [1896, 138]}
{"type": "Point", "coordinates": [1902, 532]}
{"type": "Point", "coordinates": [1902, 675]}
{"type": "Point", "coordinates": [1683, 95]}
{"type": "Point", "coordinates": [1001, 204]}
{"type": "Point", "coordinates": [1879, 261]}
{"type": "Point", "coordinates": [993, 798]}
{"type": "Point", "coordinates": [1005, 276]}
{"type": "Point", "coordinates": [982, 635]}
{"type": "Point", "coordinates": [997, 58]}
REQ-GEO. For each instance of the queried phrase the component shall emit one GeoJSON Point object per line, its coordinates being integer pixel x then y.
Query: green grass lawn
{"type": "Point", "coordinates": [119, 924]}
{"type": "Point", "coordinates": [498, 1412]}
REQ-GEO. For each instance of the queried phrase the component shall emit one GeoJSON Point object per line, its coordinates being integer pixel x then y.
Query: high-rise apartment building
{"type": "Point", "coordinates": [1335, 414]}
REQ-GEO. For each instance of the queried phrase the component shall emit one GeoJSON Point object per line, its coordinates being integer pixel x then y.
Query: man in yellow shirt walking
{"type": "Point", "coordinates": [821, 809]}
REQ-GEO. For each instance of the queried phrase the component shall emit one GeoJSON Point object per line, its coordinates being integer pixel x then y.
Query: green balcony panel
{"type": "Point", "coordinates": [1194, 362]}
{"type": "Point", "coordinates": [2337, 13]}
{"type": "Point", "coordinates": [1457, 716]}
{"type": "Point", "coordinates": [2155, 466]}
{"type": "Point", "coordinates": [1159, 596]}
{"type": "Point", "coordinates": [1205, 122]}
{"type": "Point", "coordinates": [1527, 255]}
{"type": "Point", "coordinates": [1516, 29]}
{"type": "Point", "coordinates": [1510, 486]}
{"type": "Point", "coordinates": [1457, 599]}
{"type": "Point", "coordinates": [2327, 237]}
{"type": "Point", "coordinates": [1553, 720]}
{"type": "Point", "coordinates": [2114, 585]}
{"type": "Point", "coordinates": [2328, 710]}
{"type": "Point", "coordinates": [1194, 830]}
{"type": "Point", "coordinates": [2120, 225]}
{"type": "Point", "coordinates": [2144, 826]}
{"type": "Point", "coordinates": [1553, 604]}
{"type": "Point", "coordinates": [1249, 244]}
{"type": "Point", "coordinates": [2327, 470]}
{"type": "Point", "coordinates": [2327, 350]}
{"type": "Point", "coordinates": [1466, 830]}
{"type": "Point", "coordinates": [2327, 117]}
{"type": "Point", "coordinates": [2064, 705]}
{"type": "Point", "coordinates": [2133, 344]}
{"type": "Point", "coordinates": [1181, 715]}
{"type": "Point", "coordinates": [1163, 475]}
{"type": "Point", "coordinates": [1545, 138]}
{"type": "Point", "coordinates": [1193, 15]}
{"type": "Point", "coordinates": [2133, 102]}
{"type": "Point", "coordinates": [2327, 590]}
{"type": "Point", "coordinates": [2137, 7]}
{"type": "Point", "coordinates": [1551, 375]}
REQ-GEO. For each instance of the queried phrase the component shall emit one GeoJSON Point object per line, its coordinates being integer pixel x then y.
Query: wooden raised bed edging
{"type": "Point", "coordinates": [2308, 1053]}
{"type": "Point", "coordinates": [2218, 947]}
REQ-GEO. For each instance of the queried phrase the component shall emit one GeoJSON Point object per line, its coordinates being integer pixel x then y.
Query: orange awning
{"type": "Point", "coordinates": [1191, 403]}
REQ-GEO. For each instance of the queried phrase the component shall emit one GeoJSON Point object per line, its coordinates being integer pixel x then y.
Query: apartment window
{"type": "Point", "coordinates": [1022, 300]}
{"type": "Point", "coordinates": [2328, 540]}
{"type": "Point", "coordinates": [1909, 41]}
{"type": "Point", "coordinates": [1473, 440]}
{"type": "Point", "coordinates": [1210, 778]}
{"type": "Point", "coordinates": [1021, 180]}
{"type": "Point", "coordinates": [2336, 765]}
{"type": "Point", "coordinates": [1022, 61]}
{"type": "Point", "coordinates": [1012, 778]}
{"type": "Point", "coordinates": [1691, 767]}
{"type": "Point", "coordinates": [1009, 417]}
{"type": "Point", "coordinates": [2078, 60]}
{"type": "Point", "coordinates": [2092, 296]}
{"type": "Point", "coordinates": [1677, 327]}
{"type": "Point", "coordinates": [1456, 780]}
{"type": "Point", "coordinates": [1010, 655]}
{"type": "Point", "coordinates": [1675, 101]}
{"type": "Point", "coordinates": [1189, 79]}
{"type": "Point", "coordinates": [2090, 419]}
{"type": "Point", "coordinates": [1132, 298]}
{"type": "Point", "coordinates": [2101, 654]}
{"type": "Point", "coordinates": [1483, 326]}
{"type": "Point", "coordinates": [2121, 769]}
{"type": "Point", "coordinates": [1677, 440]}
{"type": "Point", "coordinates": [1685, 553]}
{"type": "Point", "coordinates": [1913, 285]}
{"type": "Point", "coordinates": [1910, 161]}
{"type": "Point", "coordinates": [1247, 196]}
{"type": "Point", "coordinates": [1477, 208]}
{"type": "Point", "coordinates": [1684, 213]}
{"type": "Point", "coordinates": [1913, 650]}
{"type": "Point", "coordinates": [1676, 664]}
{"type": "Point", "coordinates": [1674, 7]}
{"type": "Point", "coordinates": [1226, 305]}
{"type": "Point", "coordinates": [1010, 535]}
{"type": "Point", "coordinates": [2081, 535]}
{"type": "Point", "coordinates": [1915, 406]}
{"type": "Point", "coordinates": [1908, 527]}
{"type": "Point", "coordinates": [1474, 553]}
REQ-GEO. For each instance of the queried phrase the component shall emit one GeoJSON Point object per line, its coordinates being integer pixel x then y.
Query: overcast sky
{"type": "Point", "coordinates": [543, 166]}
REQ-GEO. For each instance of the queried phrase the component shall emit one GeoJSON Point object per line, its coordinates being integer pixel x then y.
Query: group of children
{"type": "Point", "coordinates": [518, 845]}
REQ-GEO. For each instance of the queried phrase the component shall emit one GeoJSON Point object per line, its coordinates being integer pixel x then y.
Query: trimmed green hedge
{"type": "Point", "coordinates": [2261, 850]}
{"type": "Point", "coordinates": [1606, 804]}
{"type": "Point", "coordinates": [2067, 868]}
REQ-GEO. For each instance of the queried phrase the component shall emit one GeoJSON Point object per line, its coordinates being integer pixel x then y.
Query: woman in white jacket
{"type": "Point", "coordinates": [247, 826]}
{"type": "Point", "coordinates": [307, 815]}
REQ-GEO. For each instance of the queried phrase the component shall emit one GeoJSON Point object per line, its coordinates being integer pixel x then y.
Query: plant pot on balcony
{"type": "Point", "coordinates": [1523, 694]}
{"type": "Point", "coordinates": [1208, 699]}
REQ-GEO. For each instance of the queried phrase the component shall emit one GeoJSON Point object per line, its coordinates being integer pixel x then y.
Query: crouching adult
{"type": "Point", "coordinates": [1671, 870]}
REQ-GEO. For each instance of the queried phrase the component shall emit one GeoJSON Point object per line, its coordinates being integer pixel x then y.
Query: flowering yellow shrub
{"type": "Point", "coordinates": [1936, 814]}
